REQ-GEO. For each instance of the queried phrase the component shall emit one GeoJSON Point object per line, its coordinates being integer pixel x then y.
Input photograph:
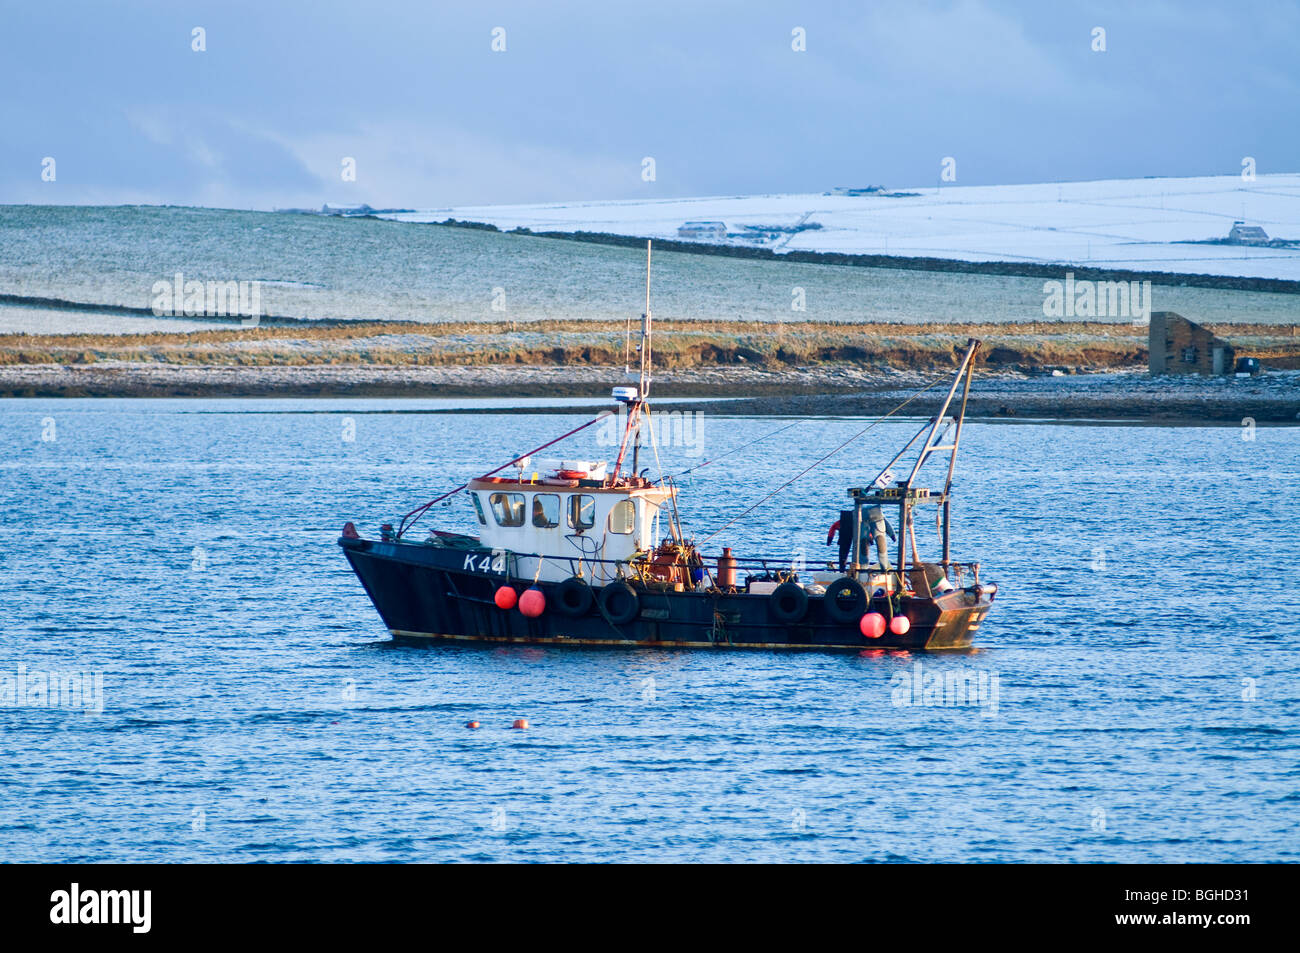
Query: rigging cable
{"type": "Point", "coordinates": [743, 446]}
{"type": "Point", "coordinates": [675, 520]}
{"type": "Point", "coordinates": [412, 517]}
{"type": "Point", "coordinates": [823, 459]}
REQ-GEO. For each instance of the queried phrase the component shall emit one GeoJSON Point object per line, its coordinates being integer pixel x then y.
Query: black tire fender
{"type": "Point", "coordinates": [620, 602]}
{"type": "Point", "coordinates": [573, 597]}
{"type": "Point", "coordinates": [845, 600]}
{"type": "Point", "coordinates": [788, 602]}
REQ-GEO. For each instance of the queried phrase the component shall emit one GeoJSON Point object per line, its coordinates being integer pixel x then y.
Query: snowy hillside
{"type": "Point", "coordinates": [1141, 224]}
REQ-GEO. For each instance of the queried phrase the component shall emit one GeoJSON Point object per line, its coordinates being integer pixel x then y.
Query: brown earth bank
{"type": "Point", "coordinates": [1076, 345]}
{"type": "Point", "coordinates": [1041, 369]}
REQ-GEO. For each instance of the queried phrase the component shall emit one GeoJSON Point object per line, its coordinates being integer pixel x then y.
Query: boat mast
{"type": "Point", "coordinates": [932, 445]}
{"type": "Point", "coordinates": [644, 382]}
{"type": "Point", "coordinates": [952, 459]}
{"type": "Point", "coordinates": [643, 385]}
{"type": "Point", "coordinates": [645, 330]}
{"type": "Point", "coordinates": [903, 493]}
{"type": "Point", "coordinates": [633, 428]}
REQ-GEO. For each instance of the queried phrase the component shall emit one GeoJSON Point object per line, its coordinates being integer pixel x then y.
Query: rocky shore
{"type": "Point", "coordinates": [1056, 370]}
{"type": "Point", "coordinates": [832, 389]}
{"type": "Point", "coordinates": [1128, 396]}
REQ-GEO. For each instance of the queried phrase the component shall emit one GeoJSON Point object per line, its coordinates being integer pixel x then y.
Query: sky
{"type": "Point", "coordinates": [283, 93]}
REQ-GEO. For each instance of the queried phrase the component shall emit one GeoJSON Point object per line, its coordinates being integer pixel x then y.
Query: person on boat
{"type": "Point", "coordinates": [875, 526]}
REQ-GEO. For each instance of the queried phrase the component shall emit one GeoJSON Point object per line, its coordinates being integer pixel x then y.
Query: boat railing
{"type": "Point", "coordinates": [773, 568]}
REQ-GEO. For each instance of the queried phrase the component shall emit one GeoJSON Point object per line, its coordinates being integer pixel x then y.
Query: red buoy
{"type": "Point", "coordinates": [872, 625]}
{"type": "Point", "coordinates": [532, 603]}
{"type": "Point", "coordinates": [506, 597]}
{"type": "Point", "coordinates": [899, 625]}
{"type": "Point", "coordinates": [520, 723]}
{"type": "Point", "coordinates": [471, 724]}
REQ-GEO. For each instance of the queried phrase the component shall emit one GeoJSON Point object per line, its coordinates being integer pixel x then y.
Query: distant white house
{"type": "Point", "coordinates": [1061, 223]}
{"type": "Point", "coordinates": [702, 230]}
{"type": "Point", "coordinates": [1247, 235]}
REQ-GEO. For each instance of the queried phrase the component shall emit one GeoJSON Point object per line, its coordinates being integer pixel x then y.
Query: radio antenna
{"type": "Point", "coordinates": [645, 330]}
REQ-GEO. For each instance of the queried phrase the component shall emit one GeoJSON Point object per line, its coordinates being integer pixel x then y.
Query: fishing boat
{"type": "Point", "coordinates": [582, 552]}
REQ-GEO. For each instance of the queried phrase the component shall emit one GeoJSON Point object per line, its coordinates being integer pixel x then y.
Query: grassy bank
{"type": "Point", "coordinates": [1032, 370]}
{"type": "Point", "coordinates": [678, 344]}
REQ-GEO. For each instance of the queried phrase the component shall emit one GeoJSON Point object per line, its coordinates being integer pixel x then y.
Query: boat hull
{"type": "Point", "coordinates": [435, 594]}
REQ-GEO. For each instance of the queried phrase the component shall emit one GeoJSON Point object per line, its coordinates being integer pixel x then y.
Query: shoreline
{"type": "Point", "coordinates": [1041, 370]}
{"type": "Point", "coordinates": [1117, 396]}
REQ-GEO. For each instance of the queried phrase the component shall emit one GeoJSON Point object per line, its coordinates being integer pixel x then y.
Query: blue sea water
{"type": "Point", "coordinates": [1143, 641]}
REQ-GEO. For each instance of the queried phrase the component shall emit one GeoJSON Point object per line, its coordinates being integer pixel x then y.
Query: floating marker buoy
{"type": "Point", "coordinates": [532, 603]}
{"type": "Point", "coordinates": [506, 597]}
{"type": "Point", "coordinates": [899, 625]}
{"type": "Point", "coordinates": [520, 723]}
{"type": "Point", "coordinates": [471, 724]}
{"type": "Point", "coordinates": [872, 625]}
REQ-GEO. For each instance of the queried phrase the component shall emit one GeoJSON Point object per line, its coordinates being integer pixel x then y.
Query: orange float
{"type": "Point", "coordinates": [872, 625]}
{"type": "Point", "coordinates": [532, 603]}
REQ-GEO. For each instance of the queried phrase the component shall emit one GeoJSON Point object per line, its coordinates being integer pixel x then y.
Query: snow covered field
{"type": "Point", "coordinates": [1138, 224]}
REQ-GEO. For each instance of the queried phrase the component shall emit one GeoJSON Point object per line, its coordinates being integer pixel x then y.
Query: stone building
{"type": "Point", "coordinates": [1179, 346]}
{"type": "Point", "coordinates": [702, 230]}
{"type": "Point", "coordinates": [1242, 234]}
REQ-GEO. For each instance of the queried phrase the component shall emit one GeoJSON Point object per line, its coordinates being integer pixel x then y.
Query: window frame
{"type": "Point", "coordinates": [558, 507]}
{"type": "Point", "coordinates": [496, 513]}
{"type": "Point", "coordinates": [574, 508]}
{"type": "Point", "coordinates": [631, 520]}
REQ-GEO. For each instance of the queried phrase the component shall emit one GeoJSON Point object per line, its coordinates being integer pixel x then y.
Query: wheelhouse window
{"type": "Point", "coordinates": [478, 508]}
{"type": "Point", "coordinates": [622, 518]}
{"type": "Point", "coordinates": [507, 508]}
{"type": "Point", "coordinates": [546, 510]}
{"type": "Point", "coordinates": [582, 511]}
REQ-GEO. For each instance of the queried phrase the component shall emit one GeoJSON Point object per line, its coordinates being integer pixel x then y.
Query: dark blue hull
{"type": "Point", "coordinates": [435, 593]}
